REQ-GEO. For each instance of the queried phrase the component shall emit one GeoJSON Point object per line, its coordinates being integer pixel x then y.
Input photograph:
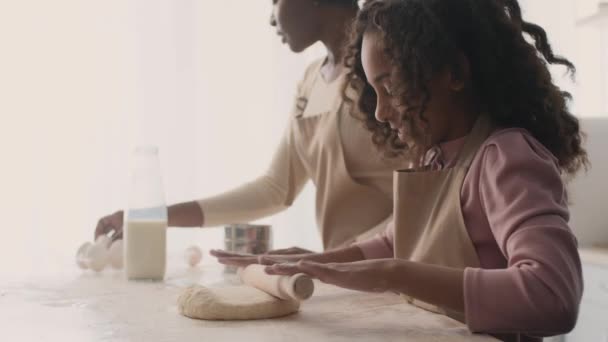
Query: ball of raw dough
{"type": "Point", "coordinates": [97, 256]}
{"type": "Point", "coordinates": [103, 240]}
{"type": "Point", "coordinates": [232, 303]}
{"type": "Point", "coordinates": [81, 255]}
{"type": "Point", "coordinates": [193, 255]}
{"type": "Point", "coordinates": [116, 254]}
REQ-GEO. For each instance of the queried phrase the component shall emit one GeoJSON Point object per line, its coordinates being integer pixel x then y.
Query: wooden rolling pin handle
{"type": "Point", "coordinates": [298, 286]}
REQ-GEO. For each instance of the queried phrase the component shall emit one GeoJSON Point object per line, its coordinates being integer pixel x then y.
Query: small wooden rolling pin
{"type": "Point", "coordinates": [297, 287]}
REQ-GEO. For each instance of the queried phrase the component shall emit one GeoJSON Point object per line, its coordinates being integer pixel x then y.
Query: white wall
{"type": "Point", "coordinates": [583, 45]}
{"type": "Point", "coordinates": [83, 82]}
{"type": "Point", "coordinates": [66, 103]}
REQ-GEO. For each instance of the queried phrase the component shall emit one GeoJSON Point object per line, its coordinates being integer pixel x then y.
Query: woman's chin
{"type": "Point", "coordinates": [296, 48]}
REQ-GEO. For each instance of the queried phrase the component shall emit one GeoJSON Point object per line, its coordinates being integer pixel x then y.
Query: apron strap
{"type": "Point", "coordinates": [481, 131]}
{"type": "Point", "coordinates": [307, 86]}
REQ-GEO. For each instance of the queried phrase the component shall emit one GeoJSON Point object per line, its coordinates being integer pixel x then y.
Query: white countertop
{"type": "Point", "coordinates": [595, 255]}
{"type": "Point", "coordinates": [82, 306]}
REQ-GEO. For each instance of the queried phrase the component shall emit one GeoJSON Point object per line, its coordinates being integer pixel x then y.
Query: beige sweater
{"type": "Point", "coordinates": [324, 143]}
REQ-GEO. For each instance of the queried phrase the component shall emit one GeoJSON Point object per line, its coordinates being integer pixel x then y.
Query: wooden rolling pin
{"type": "Point", "coordinates": [298, 286]}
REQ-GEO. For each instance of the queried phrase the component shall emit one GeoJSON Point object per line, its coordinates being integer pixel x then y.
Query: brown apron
{"type": "Point", "coordinates": [345, 209]}
{"type": "Point", "coordinates": [429, 226]}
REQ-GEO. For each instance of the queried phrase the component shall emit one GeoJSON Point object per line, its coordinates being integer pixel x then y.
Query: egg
{"type": "Point", "coordinates": [97, 257]}
{"type": "Point", "coordinates": [116, 254]}
{"type": "Point", "coordinates": [103, 240]}
{"type": "Point", "coordinates": [193, 255]}
{"type": "Point", "coordinates": [81, 255]}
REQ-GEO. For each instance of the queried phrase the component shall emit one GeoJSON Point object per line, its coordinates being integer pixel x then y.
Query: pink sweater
{"type": "Point", "coordinates": [515, 209]}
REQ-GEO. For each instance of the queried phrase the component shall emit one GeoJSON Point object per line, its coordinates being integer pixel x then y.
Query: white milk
{"type": "Point", "coordinates": [145, 249]}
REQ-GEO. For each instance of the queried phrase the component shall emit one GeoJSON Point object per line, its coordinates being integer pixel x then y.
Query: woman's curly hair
{"type": "Point", "coordinates": [509, 75]}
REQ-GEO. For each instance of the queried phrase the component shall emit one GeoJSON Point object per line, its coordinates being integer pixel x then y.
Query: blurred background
{"type": "Point", "coordinates": [83, 82]}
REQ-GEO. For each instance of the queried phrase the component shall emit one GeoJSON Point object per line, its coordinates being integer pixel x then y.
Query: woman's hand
{"type": "Point", "coordinates": [379, 275]}
{"type": "Point", "coordinates": [110, 224]}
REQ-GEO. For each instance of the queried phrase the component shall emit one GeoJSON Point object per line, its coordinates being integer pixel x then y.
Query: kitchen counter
{"type": "Point", "coordinates": [597, 255]}
{"type": "Point", "coordinates": [592, 322]}
{"type": "Point", "coordinates": [83, 306]}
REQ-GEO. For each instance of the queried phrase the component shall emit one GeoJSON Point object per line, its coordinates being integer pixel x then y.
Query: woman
{"type": "Point", "coordinates": [481, 225]}
{"type": "Point", "coordinates": [324, 142]}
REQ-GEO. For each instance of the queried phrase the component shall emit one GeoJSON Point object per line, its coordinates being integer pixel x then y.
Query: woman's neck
{"type": "Point", "coordinates": [334, 37]}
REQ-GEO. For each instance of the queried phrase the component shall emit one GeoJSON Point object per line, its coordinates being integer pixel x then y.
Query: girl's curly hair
{"type": "Point", "coordinates": [509, 75]}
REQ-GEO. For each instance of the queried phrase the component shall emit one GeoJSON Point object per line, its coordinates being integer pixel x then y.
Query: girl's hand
{"type": "Point", "coordinates": [377, 275]}
{"type": "Point", "coordinates": [289, 251]}
{"type": "Point", "coordinates": [244, 259]}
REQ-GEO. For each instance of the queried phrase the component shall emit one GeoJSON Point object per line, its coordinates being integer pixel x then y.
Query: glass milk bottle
{"type": "Point", "coordinates": [145, 229]}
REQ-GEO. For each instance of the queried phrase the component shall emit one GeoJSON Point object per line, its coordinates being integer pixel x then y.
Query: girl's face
{"type": "Point", "coordinates": [297, 22]}
{"type": "Point", "coordinates": [441, 116]}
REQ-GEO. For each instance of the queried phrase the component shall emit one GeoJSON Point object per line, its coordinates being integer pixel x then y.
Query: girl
{"type": "Point", "coordinates": [480, 227]}
{"type": "Point", "coordinates": [324, 142]}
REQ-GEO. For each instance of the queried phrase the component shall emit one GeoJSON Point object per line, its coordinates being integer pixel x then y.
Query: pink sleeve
{"type": "Point", "coordinates": [379, 246]}
{"type": "Point", "coordinates": [523, 197]}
